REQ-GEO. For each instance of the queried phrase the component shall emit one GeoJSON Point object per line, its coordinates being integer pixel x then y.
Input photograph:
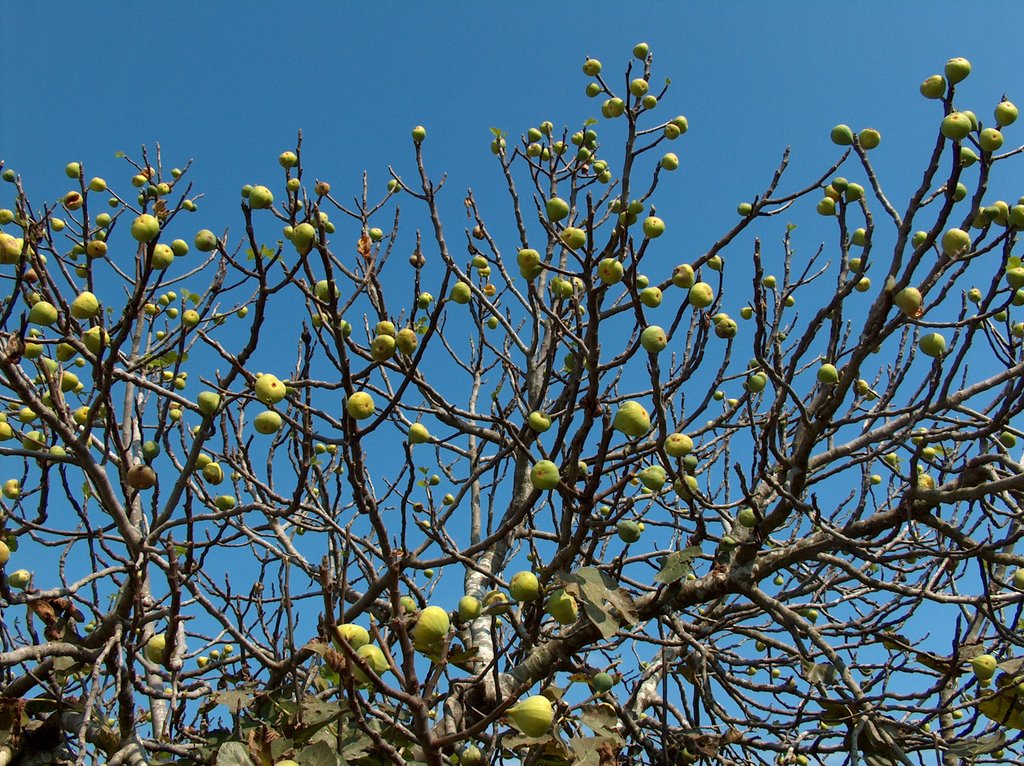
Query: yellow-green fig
{"type": "Point", "coordinates": [957, 69]}
{"type": "Point", "coordinates": [460, 293]}
{"type": "Point", "coordinates": [984, 666]}
{"type": "Point", "coordinates": [353, 634]}
{"type": "Point", "coordinates": [524, 586]}
{"type": "Point", "coordinates": [682, 276]}
{"type": "Point", "coordinates": [19, 578]}
{"type": "Point", "coordinates": [933, 344]}
{"type": "Point", "coordinates": [934, 87]}
{"type": "Point", "coordinates": [842, 135]}
{"type": "Point", "coordinates": [573, 237]}
{"type": "Point", "coordinates": [260, 198]}
{"type": "Point", "coordinates": [406, 341]}
{"type": "Point", "coordinates": [85, 306]}
{"type": "Point", "coordinates": [828, 375]}
{"type": "Point", "coordinates": [539, 421]}
{"type": "Point", "coordinates": [869, 138]}
{"type": "Point", "coordinates": [653, 339]}
{"type": "Point", "coordinates": [563, 607]}
{"type": "Point", "coordinates": [145, 228]}
{"type": "Point", "coordinates": [205, 241]}
{"type": "Point", "coordinates": [653, 477]}
{"type": "Point", "coordinates": [955, 126]}
{"type": "Point", "coordinates": [533, 716]}
{"type": "Point", "coordinates": [1018, 579]}
{"type": "Point", "coordinates": [651, 297]}
{"type": "Point", "coordinates": [632, 419]}
{"type": "Point", "coordinates": [1005, 113]}
{"type": "Point", "coordinates": [382, 347]}
{"type": "Point", "coordinates": [208, 402]}
{"type": "Point", "coordinates": [43, 313]}
{"type": "Point", "coordinates": [610, 271]}
{"type": "Point", "coordinates": [418, 433]}
{"type": "Point", "coordinates": [955, 242]}
{"type": "Point", "coordinates": [431, 628]}
{"type": "Point", "coordinates": [303, 237]}
{"type": "Point", "coordinates": [701, 295]}
{"type": "Point", "coordinates": [269, 389]}
{"type": "Point", "coordinates": [628, 531]}
{"type": "Point", "coordinates": [267, 422]}
{"type": "Point", "coordinates": [909, 301]}
{"type": "Point", "coordinates": [990, 139]}
{"type": "Point", "coordinates": [155, 648]}
{"type": "Point", "coordinates": [529, 261]}
{"type": "Point", "coordinates": [469, 608]}
{"type": "Point", "coordinates": [496, 602]}
{"type": "Point", "coordinates": [544, 475]}
{"type": "Point", "coordinates": [601, 682]}
{"type": "Point", "coordinates": [653, 227]}
{"type": "Point", "coordinates": [556, 209]}
{"type": "Point", "coordinates": [678, 445]}
{"type": "Point", "coordinates": [374, 658]}
{"type": "Point", "coordinates": [360, 405]}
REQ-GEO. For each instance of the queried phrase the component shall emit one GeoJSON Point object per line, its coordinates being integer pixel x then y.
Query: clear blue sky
{"type": "Point", "coordinates": [228, 84]}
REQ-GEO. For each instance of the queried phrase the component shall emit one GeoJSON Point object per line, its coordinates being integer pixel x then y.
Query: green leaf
{"type": "Point", "coordinates": [319, 754]}
{"type": "Point", "coordinates": [234, 754]}
{"type": "Point", "coordinates": [677, 565]}
{"type": "Point", "coordinates": [279, 746]}
{"type": "Point", "coordinates": [119, 154]}
{"type": "Point", "coordinates": [589, 121]}
{"type": "Point", "coordinates": [497, 132]}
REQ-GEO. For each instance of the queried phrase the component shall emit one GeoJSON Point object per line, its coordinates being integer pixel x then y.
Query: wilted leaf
{"type": "Point", "coordinates": [936, 662]}
{"type": "Point", "coordinates": [601, 719]}
{"type": "Point", "coordinates": [968, 746]}
{"type": "Point", "coordinates": [234, 754]}
{"type": "Point", "coordinates": [233, 699]}
{"type": "Point", "coordinates": [677, 565]}
{"type": "Point", "coordinates": [818, 672]}
{"type": "Point", "coordinates": [1012, 667]}
{"type": "Point", "coordinates": [1004, 707]}
{"type": "Point", "coordinates": [606, 605]}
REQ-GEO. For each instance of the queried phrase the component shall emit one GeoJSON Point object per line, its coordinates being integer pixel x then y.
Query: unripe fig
{"type": "Point", "coordinates": [545, 475]}
{"type": "Point", "coordinates": [431, 628]}
{"type": "Point", "coordinates": [678, 445]}
{"type": "Point", "coordinates": [632, 419]}
{"type": "Point", "coordinates": [957, 69]}
{"type": "Point", "coordinates": [533, 716]}
{"type": "Point", "coordinates": [563, 607]}
{"type": "Point", "coordinates": [524, 586]}
{"type": "Point", "coordinates": [955, 242]}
